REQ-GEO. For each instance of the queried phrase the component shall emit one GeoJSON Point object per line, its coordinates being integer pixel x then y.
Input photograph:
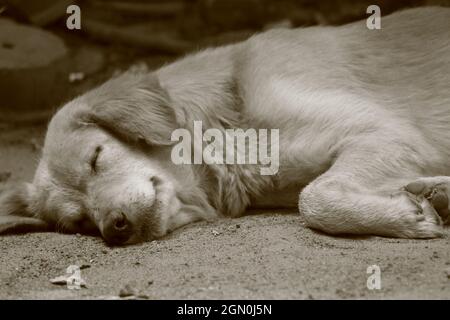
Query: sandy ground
{"type": "Point", "coordinates": [263, 256]}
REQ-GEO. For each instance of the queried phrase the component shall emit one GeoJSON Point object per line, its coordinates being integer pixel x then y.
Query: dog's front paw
{"type": "Point", "coordinates": [436, 190]}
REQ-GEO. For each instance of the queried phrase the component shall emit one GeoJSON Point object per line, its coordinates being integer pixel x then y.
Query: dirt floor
{"type": "Point", "coordinates": [264, 256]}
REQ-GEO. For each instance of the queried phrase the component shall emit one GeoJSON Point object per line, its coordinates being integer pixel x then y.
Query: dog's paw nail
{"type": "Point", "coordinates": [415, 187]}
{"type": "Point", "coordinates": [430, 194]}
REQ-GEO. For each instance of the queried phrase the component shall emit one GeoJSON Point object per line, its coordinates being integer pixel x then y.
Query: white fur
{"type": "Point", "coordinates": [361, 113]}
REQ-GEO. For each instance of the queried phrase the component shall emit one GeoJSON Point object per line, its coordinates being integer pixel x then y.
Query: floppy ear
{"type": "Point", "coordinates": [134, 107]}
{"type": "Point", "coordinates": [15, 211]}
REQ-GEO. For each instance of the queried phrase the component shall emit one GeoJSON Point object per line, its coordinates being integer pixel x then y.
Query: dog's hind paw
{"type": "Point", "coordinates": [436, 190]}
{"type": "Point", "coordinates": [415, 217]}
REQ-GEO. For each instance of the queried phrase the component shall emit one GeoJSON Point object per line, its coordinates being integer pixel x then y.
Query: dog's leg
{"type": "Point", "coordinates": [362, 194]}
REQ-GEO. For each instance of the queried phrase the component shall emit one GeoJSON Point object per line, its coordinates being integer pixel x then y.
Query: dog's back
{"type": "Point", "coordinates": [404, 64]}
{"type": "Point", "coordinates": [340, 83]}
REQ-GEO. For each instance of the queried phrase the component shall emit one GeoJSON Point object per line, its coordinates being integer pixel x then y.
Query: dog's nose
{"type": "Point", "coordinates": [117, 228]}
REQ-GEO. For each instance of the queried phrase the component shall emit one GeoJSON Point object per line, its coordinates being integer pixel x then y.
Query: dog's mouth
{"type": "Point", "coordinates": [138, 222]}
{"type": "Point", "coordinates": [133, 224]}
{"type": "Point", "coordinates": [83, 225]}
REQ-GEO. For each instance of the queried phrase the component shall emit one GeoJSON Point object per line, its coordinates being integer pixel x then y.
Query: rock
{"type": "Point", "coordinates": [127, 291]}
{"type": "Point", "coordinates": [61, 280]}
{"type": "Point", "coordinates": [39, 80]}
{"type": "Point", "coordinates": [27, 79]}
{"type": "Point", "coordinates": [67, 280]}
{"type": "Point", "coordinates": [85, 266]}
{"type": "Point", "coordinates": [73, 278]}
{"type": "Point", "coordinates": [29, 58]}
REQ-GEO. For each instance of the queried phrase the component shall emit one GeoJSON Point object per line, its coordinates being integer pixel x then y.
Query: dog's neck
{"type": "Point", "coordinates": [204, 89]}
{"type": "Point", "coordinates": [235, 187]}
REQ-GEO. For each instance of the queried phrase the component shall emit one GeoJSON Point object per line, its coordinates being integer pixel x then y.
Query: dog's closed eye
{"type": "Point", "coordinates": [94, 159]}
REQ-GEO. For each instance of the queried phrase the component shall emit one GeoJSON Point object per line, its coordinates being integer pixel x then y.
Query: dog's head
{"type": "Point", "coordinates": [106, 166]}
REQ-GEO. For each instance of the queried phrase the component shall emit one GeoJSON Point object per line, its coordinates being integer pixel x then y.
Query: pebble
{"type": "Point", "coordinates": [76, 76]}
{"type": "Point", "coordinates": [61, 280]}
{"type": "Point", "coordinates": [85, 266]}
{"type": "Point", "coordinates": [447, 271]}
{"type": "Point", "coordinates": [127, 291]}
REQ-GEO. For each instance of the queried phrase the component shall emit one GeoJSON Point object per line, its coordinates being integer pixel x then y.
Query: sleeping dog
{"type": "Point", "coordinates": [364, 139]}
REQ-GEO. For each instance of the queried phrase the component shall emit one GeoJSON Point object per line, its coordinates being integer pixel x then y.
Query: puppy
{"type": "Point", "coordinates": [363, 118]}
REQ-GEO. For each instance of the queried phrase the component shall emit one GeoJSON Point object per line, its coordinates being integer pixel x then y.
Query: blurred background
{"type": "Point", "coordinates": [43, 63]}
